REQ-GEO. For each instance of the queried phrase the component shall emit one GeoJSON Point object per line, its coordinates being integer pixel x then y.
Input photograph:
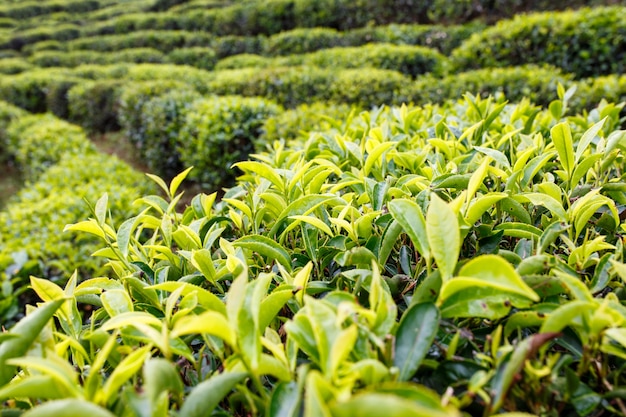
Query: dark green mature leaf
{"type": "Point", "coordinates": [416, 333]}
{"type": "Point", "coordinates": [207, 395]}
{"type": "Point", "coordinates": [27, 330]}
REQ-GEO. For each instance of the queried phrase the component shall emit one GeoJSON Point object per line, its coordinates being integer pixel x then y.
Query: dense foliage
{"type": "Point", "coordinates": [390, 246]}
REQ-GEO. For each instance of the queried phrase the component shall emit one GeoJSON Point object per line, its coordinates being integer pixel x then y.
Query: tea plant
{"type": "Point", "coordinates": [410, 260]}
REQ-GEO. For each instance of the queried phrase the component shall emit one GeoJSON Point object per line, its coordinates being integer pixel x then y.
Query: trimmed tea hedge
{"type": "Point", "coordinates": [291, 86]}
{"type": "Point", "coordinates": [409, 60]}
{"type": "Point", "coordinates": [588, 42]}
{"type": "Point", "coordinates": [535, 83]}
{"type": "Point", "coordinates": [219, 131]}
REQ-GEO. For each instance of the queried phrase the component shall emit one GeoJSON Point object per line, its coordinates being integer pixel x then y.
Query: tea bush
{"type": "Point", "coordinates": [587, 42]}
{"type": "Point", "coordinates": [409, 60]}
{"type": "Point", "coordinates": [303, 40]}
{"type": "Point", "coordinates": [161, 121]}
{"type": "Point", "coordinates": [133, 97]}
{"type": "Point", "coordinates": [164, 41]}
{"type": "Point", "coordinates": [434, 260]}
{"type": "Point", "coordinates": [244, 61]}
{"type": "Point", "coordinates": [533, 82]}
{"type": "Point", "coordinates": [8, 113]}
{"type": "Point", "coordinates": [32, 240]}
{"type": "Point", "coordinates": [10, 66]}
{"type": "Point", "coordinates": [199, 57]}
{"type": "Point", "coordinates": [35, 90]}
{"type": "Point", "coordinates": [291, 86]}
{"type": "Point", "coordinates": [94, 105]}
{"type": "Point", "coordinates": [220, 131]}
{"type": "Point", "coordinates": [40, 141]}
{"type": "Point", "coordinates": [304, 119]}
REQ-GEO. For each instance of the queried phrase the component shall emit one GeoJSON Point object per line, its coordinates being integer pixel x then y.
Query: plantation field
{"type": "Point", "coordinates": [312, 208]}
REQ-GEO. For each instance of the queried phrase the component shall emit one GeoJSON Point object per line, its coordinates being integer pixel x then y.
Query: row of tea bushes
{"type": "Point", "coordinates": [297, 41]}
{"type": "Point", "coordinates": [76, 58]}
{"type": "Point", "coordinates": [199, 57]}
{"type": "Point", "coordinates": [62, 169]}
{"type": "Point", "coordinates": [96, 106]}
{"type": "Point", "coordinates": [409, 60]}
{"type": "Point", "coordinates": [275, 16]}
{"type": "Point", "coordinates": [588, 42]}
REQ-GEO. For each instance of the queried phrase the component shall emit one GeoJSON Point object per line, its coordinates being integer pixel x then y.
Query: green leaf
{"type": "Point", "coordinates": [476, 180]}
{"type": "Point", "coordinates": [262, 170]}
{"type": "Point", "coordinates": [388, 405]}
{"type": "Point", "coordinates": [116, 302]}
{"type": "Point", "coordinates": [271, 306]}
{"type": "Point", "coordinates": [87, 226]}
{"type": "Point", "coordinates": [61, 371]}
{"type": "Point", "coordinates": [389, 240]}
{"type": "Point", "coordinates": [487, 286]}
{"type": "Point", "coordinates": [562, 138]}
{"type": "Point", "coordinates": [410, 217]}
{"type": "Point", "coordinates": [27, 330]}
{"type": "Point", "coordinates": [482, 204]}
{"type": "Point", "coordinates": [496, 155]}
{"type": "Point", "coordinates": [375, 155]}
{"type": "Point", "coordinates": [160, 375]}
{"type": "Point", "coordinates": [209, 322]}
{"type": "Point", "coordinates": [35, 386]}
{"type": "Point", "coordinates": [68, 408]}
{"type": "Point", "coordinates": [266, 247]}
{"type": "Point", "coordinates": [444, 237]}
{"type": "Point", "coordinates": [303, 206]}
{"type": "Point", "coordinates": [206, 299]}
{"type": "Point", "coordinates": [160, 183]}
{"type": "Point", "coordinates": [124, 371]}
{"type": "Point", "coordinates": [207, 395]}
{"type": "Point", "coordinates": [124, 234]}
{"type": "Point", "coordinates": [100, 209]}
{"type": "Point", "coordinates": [46, 289]}
{"type": "Point", "coordinates": [203, 261]}
{"type": "Point", "coordinates": [177, 180]}
{"type": "Point", "coordinates": [545, 200]}
{"type": "Point", "coordinates": [416, 333]}
{"type": "Point", "coordinates": [285, 400]}
{"type": "Point", "coordinates": [588, 137]}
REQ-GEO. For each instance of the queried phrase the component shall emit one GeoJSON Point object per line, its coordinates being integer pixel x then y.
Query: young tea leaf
{"type": "Point", "coordinates": [444, 236]}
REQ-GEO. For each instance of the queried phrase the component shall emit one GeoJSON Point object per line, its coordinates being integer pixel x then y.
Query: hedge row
{"type": "Point", "coordinates": [296, 41]}
{"type": "Point", "coordinates": [274, 16]}
{"type": "Point", "coordinates": [40, 141]}
{"type": "Point", "coordinates": [28, 9]}
{"type": "Point", "coordinates": [47, 90]}
{"type": "Point", "coordinates": [64, 169]}
{"type": "Point", "coordinates": [291, 86]}
{"type": "Point", "coordinates": [174, 127]}
{"type": "Point", "coordinates": [409, 60]}
{"type": "Point", "coordinates": [76, 58]}
{"type": "Point", "coordinates": [588, 42]}
{"type": "Point", "coordinates": [11, 66]}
